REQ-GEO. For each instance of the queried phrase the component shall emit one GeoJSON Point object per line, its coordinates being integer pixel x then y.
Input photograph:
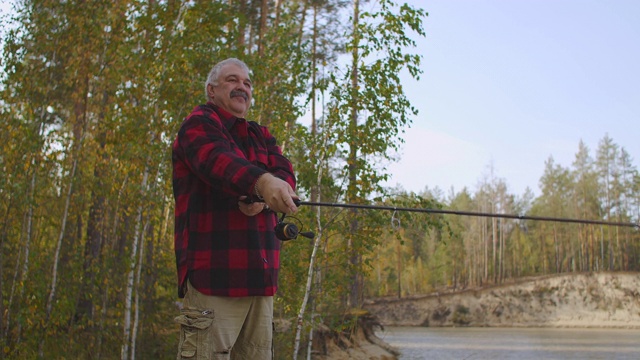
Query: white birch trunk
{"type": "Point", "coordinates": [303, 306]}
{"type": "Point", "coordinates": [56, 257]}
{"type": "Point", "coordinates": [136, 318]}
{"type": "Point", "coordinates": [310, 344]}
{"type": "Point", "coordinates": [124, 354]}
{"type": "Point", "coordinates": [138, 281]}
{"type": "Point", "coordinates": [316, 245]}
{"type": "Point", "coordinates": [63, 226]}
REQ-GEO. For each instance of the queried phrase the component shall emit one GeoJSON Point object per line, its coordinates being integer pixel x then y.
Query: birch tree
{"type": "Point", "coordinates": [371, 101]}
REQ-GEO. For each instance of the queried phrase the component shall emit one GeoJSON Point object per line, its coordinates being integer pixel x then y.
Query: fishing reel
{"type": "Point", "coordinates": [285, 231]}
{"type": "Point", "coordinates": [288, 231]}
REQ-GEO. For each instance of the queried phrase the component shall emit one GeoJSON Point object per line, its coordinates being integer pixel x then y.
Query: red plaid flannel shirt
{"type": "Point", "coordinates": [216, 159]}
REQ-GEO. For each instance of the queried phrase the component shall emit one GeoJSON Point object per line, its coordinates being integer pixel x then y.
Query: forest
{"type": "Point", "coordinates": [92, 95]}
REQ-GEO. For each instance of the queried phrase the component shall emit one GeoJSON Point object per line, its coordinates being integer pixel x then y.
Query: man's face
{"type": "Point", "coordinates": [233, 91]}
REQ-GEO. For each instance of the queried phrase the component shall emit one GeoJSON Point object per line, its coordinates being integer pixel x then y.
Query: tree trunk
{"type": "Point", "coordinates": [124, 354]}
{"type": "Point", "coordinates": [556, 248]}
{"type": "Point", "coordinates": [312, 261]}
{"type": "Point", "coordinates": [242, 25]}
{"type": "Point", "coordinates": [28, 229]}
{"type": "Point", "coordinates": [494, 250]}
{"type": "Point", "coordinates": [352, 189]}
{"type": "Point", "coordinates": [56, 257]}
{"type": "Point", "coordinates": [84, 308]}
{"type": "Point", "coordinates": [136, 318]}
{"type": "Point", "coordinates": [263, 26]}
{"type": "Point", "coordinates": [314, 64]}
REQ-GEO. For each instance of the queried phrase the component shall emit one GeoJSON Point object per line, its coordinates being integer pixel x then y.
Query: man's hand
{"type": "Point", "coordinates": [277, 193]}
{"type": "Point", "coordinates": [250, 209]}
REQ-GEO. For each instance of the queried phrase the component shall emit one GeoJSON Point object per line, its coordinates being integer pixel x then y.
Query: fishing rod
{"type": "Point", "coordinates": [289, 231]}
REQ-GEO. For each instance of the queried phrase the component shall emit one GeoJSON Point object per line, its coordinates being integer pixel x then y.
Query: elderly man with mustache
{"type": "Point", "coordinates": [226, 250]}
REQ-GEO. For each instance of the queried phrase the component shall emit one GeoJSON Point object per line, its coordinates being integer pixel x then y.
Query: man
{"type": "Point", "coordinates": [226, 250]}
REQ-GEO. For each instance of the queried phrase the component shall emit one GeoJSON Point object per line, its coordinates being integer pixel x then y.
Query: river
{"type": "Point", "coordinates": [513, 343]}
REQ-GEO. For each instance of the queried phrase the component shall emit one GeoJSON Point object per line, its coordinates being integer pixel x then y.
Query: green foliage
{"type": "Point", "coordinates": [95, 91]}
{"type": "Point", "coordinates": [405, 261]}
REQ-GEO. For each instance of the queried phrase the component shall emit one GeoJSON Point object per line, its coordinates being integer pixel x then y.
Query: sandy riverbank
{"type": "Point", "coordinates": [603, 300]}
{"type": "Point", "coordinates": [591, 300]}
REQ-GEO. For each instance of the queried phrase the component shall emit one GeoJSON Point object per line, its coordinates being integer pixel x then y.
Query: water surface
{"type": "Point", "coordinates": [513, 343]}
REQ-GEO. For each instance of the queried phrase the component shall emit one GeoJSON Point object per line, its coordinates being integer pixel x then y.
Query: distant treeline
{"type": "Point", "coordinates": [475, 251]}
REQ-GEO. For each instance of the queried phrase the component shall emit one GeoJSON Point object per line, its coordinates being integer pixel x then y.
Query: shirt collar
{"type": "Point", "coordinates": [228, 119]}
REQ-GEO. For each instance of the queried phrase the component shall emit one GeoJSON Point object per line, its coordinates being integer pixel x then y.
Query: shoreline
{"type": "Point", "coordinates": [599, 301]}
{"type": "Point", "coordinates": [591, 300]}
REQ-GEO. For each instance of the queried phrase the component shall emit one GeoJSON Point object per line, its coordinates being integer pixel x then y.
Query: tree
{"type": "Point", "coordinates": [586, 203]}
{"type": "Point", "coordinates": [555, 184]}
{"type": "Point", "coordinates": [608, 177]}
{"type": "Point", "coordinates": [373, 109]}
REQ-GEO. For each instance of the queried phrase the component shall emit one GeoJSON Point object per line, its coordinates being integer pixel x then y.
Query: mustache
{"type": "Point", "coordinates": [241, 93]}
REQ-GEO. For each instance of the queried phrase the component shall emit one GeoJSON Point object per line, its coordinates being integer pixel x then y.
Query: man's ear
{"type": "Point", "coordinates": [210, 91]}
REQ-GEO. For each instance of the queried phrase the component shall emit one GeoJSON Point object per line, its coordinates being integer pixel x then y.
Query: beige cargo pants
{"type": "Point", "coordinates": [218, 327]}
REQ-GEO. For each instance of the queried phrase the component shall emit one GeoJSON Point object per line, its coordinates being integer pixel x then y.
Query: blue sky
{"type": "Point", "coordinates": [509, 83]}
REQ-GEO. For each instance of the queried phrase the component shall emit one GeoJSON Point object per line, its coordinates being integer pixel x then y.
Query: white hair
{"type": "Point", "coordinates": [214, 74]}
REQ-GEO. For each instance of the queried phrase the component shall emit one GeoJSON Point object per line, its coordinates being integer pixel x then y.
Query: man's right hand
{"type": "Point", "coordinates": [277, 193]}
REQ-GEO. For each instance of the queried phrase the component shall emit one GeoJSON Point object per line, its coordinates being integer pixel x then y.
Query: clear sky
{"type": "Point", "coordinates": [509, 83]}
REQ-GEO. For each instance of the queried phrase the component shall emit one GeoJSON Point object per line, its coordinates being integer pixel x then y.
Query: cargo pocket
{"type": "Point", "coordinates": [195, 334]}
